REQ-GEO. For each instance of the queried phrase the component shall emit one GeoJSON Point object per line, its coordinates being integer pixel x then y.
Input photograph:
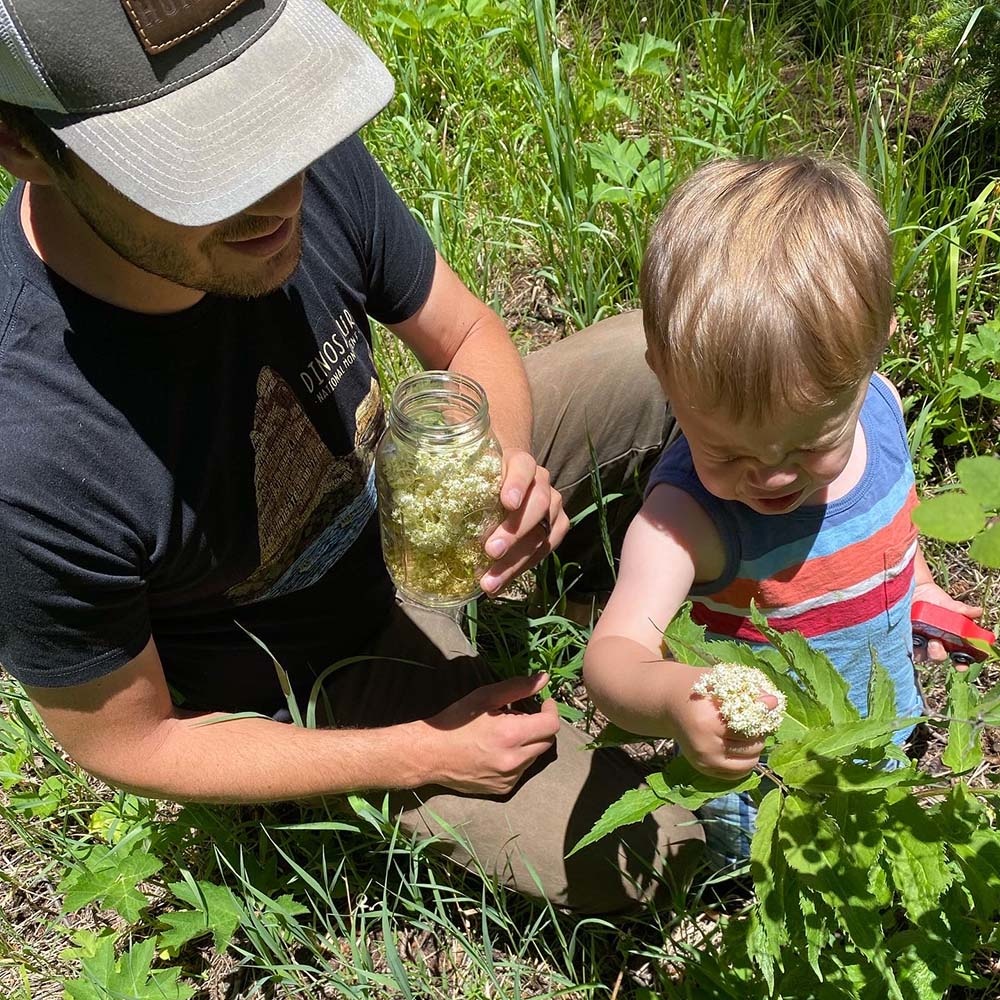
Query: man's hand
{"type": "Point", "coordinates": [485, 745]}
{"type": "Point", "coordinates": [934, 651]}
{"type": "Point", "coordinates": [536, 522]}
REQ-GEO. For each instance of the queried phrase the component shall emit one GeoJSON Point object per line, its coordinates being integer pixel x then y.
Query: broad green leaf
{"type": "Point", "coordinates": [215, 910]}
{"type": "Point", "coordinates": [963, 752]}
{"type": "Point", "coordinates": [684, 639]}
{"type": "Point", "coordinates": [817, 673]}
{"type": "Point", "coordinates": [836, 741]}
{"type": "Point", "coordinates": [814, 846]}
{"type": "Point", "coordinates": [985, 548]}
{"type": "Point", "coordinates": [967, 829]}
{"type": "Point", "coordinates": [989, 706]}
{"type": "Point", "coordinates": [909, 950]}
{"type": "Point", "coordinates": [682, 785]}
{"type": "Point", "coordinates": [767, 926]}
{"type": "Point", "coordinates": [881, 692]}
{"type": "Point", "coordinates": [110, 879]}
{"type": "Point", "coordinates": [952, 517]}
{"type": "Point", "coordinates": [130, 976]}
{"type": "Point", "coordinates": [980, 478]}
{"type": "Point", "coordinates": [916, 854]}
{"type": "Point", "coordinates": [824, 776]}
{"type": "Point", "coordinates": [635, 805]}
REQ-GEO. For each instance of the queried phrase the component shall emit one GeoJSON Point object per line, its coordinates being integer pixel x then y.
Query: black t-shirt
{"type": "Point", "coordinates": [176, 475]}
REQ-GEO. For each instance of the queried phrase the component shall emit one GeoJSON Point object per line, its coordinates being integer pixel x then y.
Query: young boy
{"type": "Point", "coordinates": [767, 297]}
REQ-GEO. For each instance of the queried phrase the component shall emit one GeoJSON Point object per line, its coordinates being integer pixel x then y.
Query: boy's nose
{"type": "Point", "coordinates": [771, 479]}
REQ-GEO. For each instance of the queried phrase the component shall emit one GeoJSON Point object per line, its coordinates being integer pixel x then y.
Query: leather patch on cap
{"type": "Point", "coordinates": [163, 23]}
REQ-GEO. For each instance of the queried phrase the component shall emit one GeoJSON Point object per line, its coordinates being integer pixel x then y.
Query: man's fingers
{"type": "Point", "coordinates": [518, 476]}
{"type": "Point", "coordinates": [493, 696]}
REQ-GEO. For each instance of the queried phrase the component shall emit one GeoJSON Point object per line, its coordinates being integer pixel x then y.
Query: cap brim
{"type": "Point", "coordinates": [212, 148]}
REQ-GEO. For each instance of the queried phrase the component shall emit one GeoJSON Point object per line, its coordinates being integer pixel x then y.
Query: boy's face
{"type": "Point", "coordinates": [776, 467]}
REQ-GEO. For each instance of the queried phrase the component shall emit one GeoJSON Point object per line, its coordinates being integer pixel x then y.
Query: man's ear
{"type": "Point", "coordinates": [21, 159]}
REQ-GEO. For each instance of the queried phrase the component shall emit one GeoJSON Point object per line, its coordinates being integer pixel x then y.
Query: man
{"type": "Point", "coordinates": [188, 412]}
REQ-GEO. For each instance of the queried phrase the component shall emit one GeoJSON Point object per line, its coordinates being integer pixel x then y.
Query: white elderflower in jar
{"type": "Point", "coordinates": [438, 476]}
{"type": "Point", "coordinates": [736, 690]}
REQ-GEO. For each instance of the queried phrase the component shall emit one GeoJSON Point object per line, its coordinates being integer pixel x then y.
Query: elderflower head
{"type": "Point", "coordinates": [442, 502]}
{"type": "Point", "coordinates": [736, 690]}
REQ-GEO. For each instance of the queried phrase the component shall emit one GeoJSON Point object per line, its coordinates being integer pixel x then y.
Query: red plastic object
{"type": "Point", "coordinates": [958, 634]}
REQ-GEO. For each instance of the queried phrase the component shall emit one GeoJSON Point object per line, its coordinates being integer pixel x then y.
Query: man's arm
{"type": "Point", "coordinates": [124, 729]}
{"type": "Point", "coordinates": [455, 330]}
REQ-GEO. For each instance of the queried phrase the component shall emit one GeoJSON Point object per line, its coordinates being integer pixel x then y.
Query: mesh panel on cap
{"type": "Point", "coordinates": [21, 82]}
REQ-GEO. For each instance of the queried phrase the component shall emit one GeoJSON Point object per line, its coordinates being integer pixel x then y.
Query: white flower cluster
{"type": "Point", "coordinates": [736, 690]}
{"type": "Point", "coordinates": [441, 503]}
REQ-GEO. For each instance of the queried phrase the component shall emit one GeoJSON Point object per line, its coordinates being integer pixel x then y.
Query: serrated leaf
{"type": "Point", "coordinates": [110, 879]}
{"type": "Point", "coordinates": [980, 478]}
{"type": "Point", "coordinates": [953, 517]}
{"type": "Point", "coordinates": [683, 638]}
{"type": "Point", "coordinates": [836, 741]}
{"type": "Point", "coordinates": [881, 692]}
{"type": "Point", "coordinates": [214, 910]}
{"type": "Point", "coordinates": [918, 862]}
{"type": "Point", "coordinates": [767, 926]}
{"type": "Point", "coordinates": [818, 675]}
{"type": "Point", "coordinates": [814, 846]}
{"type": "Point", "coordinates": [963, 751]}
{"type": "Point", "coordinates": [985, 547]}
{"type": "Point", "coordinates": [681, 784]}
{"type": "Point", "coordinates": [130, 976]}
{"type": "Point", "coordinates": [823, 776]}
{"type": "Point", "coordinates": [635, 805]}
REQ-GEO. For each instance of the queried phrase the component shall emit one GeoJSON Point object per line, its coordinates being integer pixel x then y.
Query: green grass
{"type": "Point", "coordinates": [536, 142]}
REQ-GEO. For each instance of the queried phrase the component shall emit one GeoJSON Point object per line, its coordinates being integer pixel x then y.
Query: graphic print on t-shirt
{"type": "Point", "coordinates": [311, 505]}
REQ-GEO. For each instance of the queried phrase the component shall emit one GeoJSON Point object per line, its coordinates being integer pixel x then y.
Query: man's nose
{"type": "Point", "coordinates": [284, 201]}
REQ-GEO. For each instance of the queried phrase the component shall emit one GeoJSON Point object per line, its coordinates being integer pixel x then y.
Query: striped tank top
{"type": "Point", "coordinates": [839, 573]}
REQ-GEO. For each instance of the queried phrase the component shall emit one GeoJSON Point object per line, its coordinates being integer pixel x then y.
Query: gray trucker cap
{"type": "Point", "coordinates": [194, 109]}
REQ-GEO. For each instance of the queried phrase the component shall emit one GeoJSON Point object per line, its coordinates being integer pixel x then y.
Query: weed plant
{"type": "Point", "coordinates": [536, 141]}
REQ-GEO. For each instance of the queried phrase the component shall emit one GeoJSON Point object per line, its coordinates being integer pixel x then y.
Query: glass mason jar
{"type": "Point", "coordinates": [437, 471]}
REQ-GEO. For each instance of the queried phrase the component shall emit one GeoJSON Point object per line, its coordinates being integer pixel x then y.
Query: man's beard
{"type": "Point", "coordinates": [166, 261]}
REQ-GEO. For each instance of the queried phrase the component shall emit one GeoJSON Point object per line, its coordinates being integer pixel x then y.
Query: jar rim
{"type": "Point", "coordinates": [433, 386]}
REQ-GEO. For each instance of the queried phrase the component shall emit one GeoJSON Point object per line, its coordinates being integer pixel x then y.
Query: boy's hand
{"type": "Point", "coordinates": [711, 746]}
{"type": "Point", "coordinates": [934, 651]}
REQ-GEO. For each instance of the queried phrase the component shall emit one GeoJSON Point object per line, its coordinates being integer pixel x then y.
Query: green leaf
{"type": "Point", "coordinates": [953, 517]}
{"type": "Point", "coordinates": [916, 854]}
{"type": "Point", "coordinates": [980, 478]}
{"type": "Point", "coordinates": [635, 805]}
{"type": "Point", "coordinates": [881, 692]}
{"type": "Point", "coordinates": [130, 976]}
{"type": "Point", "coordinates": [818, 675]}
{"type": "Point", "coordinates": [110, 878]}
{"type": "Point", "coordinates": [684, 639]}
{"type": "Point", "coordinates": [967, 829]}
{"type": "Point", "coordinates": [682, 784]}
{"type": "Point", "coordinates": [823, 776]}
{"type": "Point", "coordinates": [963, 752]}
{"type": "Point", "coordinates": [814, 846]}
{"type": "Point", "coordinates": [215, 910]}
{"type": "Point", "coordinates": [985, 547]}
{"type": "Point", "coordinates": [766, 929]}
{"type": "Point", "coordinates": [836, 741]}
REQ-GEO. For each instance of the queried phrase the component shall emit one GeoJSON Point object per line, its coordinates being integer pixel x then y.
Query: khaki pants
{"type": "Point", "coordinates": [595, 383]}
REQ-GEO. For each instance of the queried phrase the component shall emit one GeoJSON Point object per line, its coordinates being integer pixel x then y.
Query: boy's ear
{"type": "Point", "coordinates": [21, 159]}
{"type": "Point", "coordinates": [892, 326]}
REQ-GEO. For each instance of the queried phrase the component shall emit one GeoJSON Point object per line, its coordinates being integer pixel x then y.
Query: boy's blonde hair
{"type": "Point", "coordinates": [767, 284]}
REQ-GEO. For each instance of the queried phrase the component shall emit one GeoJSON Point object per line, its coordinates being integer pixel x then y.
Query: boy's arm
{"type": "Point", "coordinates": [670, 543]}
